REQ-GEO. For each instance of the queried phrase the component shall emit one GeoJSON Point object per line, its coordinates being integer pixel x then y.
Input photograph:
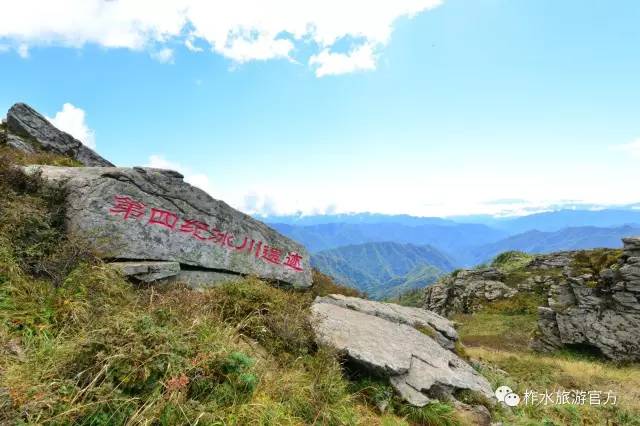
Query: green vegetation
{"type": "Point", "coordinates": [594, 261]}
{"type": "Point", "coordinates": [413, 298]}
{"type": "Point", "coordinates": [324, 285]}
{"type": "Point", "coordinates": [12, 156]}
{"type": "Point", "coordinates": [384, 269]}
{"type": "Point", "coordinates": [376, 393]}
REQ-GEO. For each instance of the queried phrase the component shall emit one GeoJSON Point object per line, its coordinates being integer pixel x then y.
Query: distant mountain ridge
{"type": "Point", "coordinates": [557, 220]}
{"type": "Point", "coordinates": [449, 238]}
{"type": "Point", "coordinates": [381, 268]}
{"type": "Point", "coordinates": [468, 244]}
{"type": "Point", "coordinates": [537, 242]}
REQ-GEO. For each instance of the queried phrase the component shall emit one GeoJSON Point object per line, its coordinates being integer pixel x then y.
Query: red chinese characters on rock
{"type": "Point", "coordinates": [163, 218]}
{"type": "Point", "coordinates": [199, 230]}
{"type": "Point", "coordinates": [294, 261]}
{"type": "Point", "coordinates": [129, 208]}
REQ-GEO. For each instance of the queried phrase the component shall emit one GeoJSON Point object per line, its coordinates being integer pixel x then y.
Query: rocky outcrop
{"type": "Point", "coordinates": [28, 131]}
{"type": "Point", "coordinates": [596, 309]}
{"type": "Point", "coordinates": [144, 214]}
{"type": "Point", "coordinates": [387, 340]}
{"type": "Point", "coordinates": [466, 291]}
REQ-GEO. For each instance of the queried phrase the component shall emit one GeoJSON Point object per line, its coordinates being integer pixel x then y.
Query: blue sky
{"type": "Point", "coordinates": [418, 106]}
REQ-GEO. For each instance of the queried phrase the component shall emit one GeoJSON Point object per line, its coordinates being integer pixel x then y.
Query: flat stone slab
{"type": "Point", "coordinates": [144, 213]}
{"type": "Point", "coordinates": [442, 328]}
{"type": "Point", "coordinates": [417, 366]}
{"type": "Point", "coordinates": [147, 271]}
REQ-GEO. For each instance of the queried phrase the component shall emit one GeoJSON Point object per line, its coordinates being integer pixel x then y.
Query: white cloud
{"type": "Point", "coordinates": [361, 58]}
{"type": "Point", "coordinates": [200, 180]}
{"type": "Point", "coordinates": [242, 30]}
{"type": "Point", "coordinates": [72, 120]}
{"type": "Point", "coordinates": [164, 55]}
{"type": "Point", "coordinates": [632, 148]}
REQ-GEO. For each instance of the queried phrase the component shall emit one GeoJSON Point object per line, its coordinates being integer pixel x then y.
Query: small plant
{"type": "Point", "coordinates": [434, 414]}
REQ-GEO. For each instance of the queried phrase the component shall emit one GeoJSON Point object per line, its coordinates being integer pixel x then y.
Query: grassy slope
{"type": "Point", "coordinates": [80, 345]}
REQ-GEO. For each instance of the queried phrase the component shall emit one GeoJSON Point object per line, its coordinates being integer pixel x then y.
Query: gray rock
{"type": "Point", "coordinates": [152, 214]}
{"type": "Point", "coordinates": [631, 246]}
{"type": "Point", "coordinates": [548, 338]}
{"type": "Point", "coordinates": [441, 328]}
{"type": "Point", "coordinates": [147, 271]}
{"type": "Point", "coordinates": [417, 366]}
{"type": "Point", "coordinates": [556, 260]}
{"type": "Point", "coordinates": [16, 142]}
{"type": "Point", "coordinates": [25, 122]}
{"type": "Point", "coordinates": [602, 312]}
{"type": "Point", "coordinates": [466, 292]}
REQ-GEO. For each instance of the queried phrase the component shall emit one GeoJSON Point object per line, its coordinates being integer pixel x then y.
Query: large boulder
{"type": "Point", "coordinates": [466, 291]}
{"type": "Point", "coordinates": [150, 214]}
{"type": "Point", "coordinates": [390, 341]}
{"type": "Point", "coordinates": [27, 128]}
{"type": "Point", "coordinates": [601, 311]}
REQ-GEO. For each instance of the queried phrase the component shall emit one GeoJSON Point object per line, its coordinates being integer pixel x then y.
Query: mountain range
{"type": "Point", "coordinates": [382, 254]}
{"type": "Point", "coordinates": [385, 268]}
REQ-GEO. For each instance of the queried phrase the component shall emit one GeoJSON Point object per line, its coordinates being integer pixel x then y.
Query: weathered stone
{"type": "Point", "coordinates": [152, 214]}
{"type": "Point", "coordinates": [417, 366]}
{"type": "Point", "coordinates": [631, 246]}
{"type": "Point", "coordinates": [548, 338]}
{"type": "Point", "coordinates": [441, 328]}
{"type": "Point", "coordinates": [556, 260]}
{"type": "Point", "coordinates": [599, 311]}
{"type": "Point", "coordinates": [466, 292]}
{"type": "Point", "coordinates": [24, 121]}
{"type": "Point", "coordinates": [16, 142]}
{"type": "Point", "coordinates": [147, 271]}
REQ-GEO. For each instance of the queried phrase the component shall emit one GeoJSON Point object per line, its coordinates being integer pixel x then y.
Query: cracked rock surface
{"type": "Point", "coordinates": [24, 125]}
{"type": "Point", "coordinates": [90, 202]}
{"type": "Point", "coordinates": [381, 338]}
{"type": "Point", "coordinates": [601, 311]}
{"type": "Point", "coordinates": [467, 291]}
